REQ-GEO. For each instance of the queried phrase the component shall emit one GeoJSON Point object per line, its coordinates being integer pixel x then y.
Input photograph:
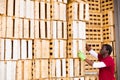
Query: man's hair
{"type": "Point", "coordinates": [108, 48]}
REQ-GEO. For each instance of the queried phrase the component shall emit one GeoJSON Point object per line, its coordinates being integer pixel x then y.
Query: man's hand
{"type": "Point", "coordinates": [81, 55]}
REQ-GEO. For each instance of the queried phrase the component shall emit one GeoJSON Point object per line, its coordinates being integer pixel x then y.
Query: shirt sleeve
{"type": "Point", "coordinates": [93, 53]}
{"type": "Point", "coordinates": [99, 65]}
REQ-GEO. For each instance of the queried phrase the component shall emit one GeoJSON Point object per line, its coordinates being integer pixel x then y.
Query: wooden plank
{"type": "Point", "coordinates": [4, 26]}
{"type": "Point", "coordinates": [36, 9]}
{"type": "Point", "coordinates": [37, 29]}
{"type": "Point", "coordinates": [55, 49]}
{"type": "Point", "coordinates": [11, 70]}
{"type": "Point", "coordinates": [9, 27]}
{"type": "Point", "coordinates": [2, 70]}
{"type": "Point", "coordinates": [65, 30]}
{"type": "Point", "coordinates": [17, 8]}
{"type": "Point", "coordinates": [63, 71]}
{"type": "Point", "coordinates": [45, 49]}
{"type": "Point", "coordinates": [16, 28]}
{"type": "Point", "coordinates": [16, 49]}
{"type": "Point", "coordinates": [29, 49]}
{"type": "Point", "coordinates": [54, 29]}
{"type": "Point", "coordinates": [21, 28]}
{"type": "Point", "coordinates": [23, 49]}
{"type": "Point", "coordinates": [62, 11]}
{"type": "Point", "coordinates": [82, 30]}
{"type": "Point", "coordinates": [0, 26]}
{"type": "Point", "coordinates": [49, 35]}
{"type": "Point", "coordinates": [10, 7]}
{"type": "Point", "coordinates": [87, 11]}
{"type": "Point", "coordinates": [2, 49]}
{"type": "Point", "coordinates": [82, 68]}
{"type": "Point", "coordinates": [76, 67]}
{"type": "Point", "coordinates": [36, 70]}
{"type": "Point", "coordinates": [29, 9]}
{"type": "Point", "coordinates": [37, 48]}
{"type": "Point", "coordinates": [26, 28]}
{"type": "Point", "coordinates": [43, 29]}
{"type": "Point", "coordinates": [27, 70]}
{"type": "Point", "coordinates": [32, 29]}
{"type": "Point", "coordinates": [55, 11]}
{"type": "Point", "coordinates": [8, 49]}
{"type": "Point", "coordinates": [20, 70]}
{"type": "Point", "coordinates": [59, 29]}
{"type": "Point", "coordinates": [71, 70]}
{"type": "Point", "coordinates": [52, 68]}
{"type": "Point", "coordinates": [47, 11]}
{"type": "Point", "coordinates": [58, 68]}
{"type": "Point", "coordinates": [42, 10]}
{"type": "Point", "coordinates": [44, 68]}
{"type": "Point", "coordinates": [32, 9]}
{"type": "Point", "coordinates": [74, 48]}
{"type": "Point", "coordinates": [81, 45]}
{"type": "Point", "coordinates": [81, 11]}
{"type": "Point", "coordinates": [62, 46]}
{"type": "Point", "coordinates": [22, 8]}
{"type": "Point", "coordinates": [2, 6]}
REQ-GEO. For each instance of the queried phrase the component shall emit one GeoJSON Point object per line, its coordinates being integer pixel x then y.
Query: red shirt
{"type": "Point", "coordinates": [106, 73]}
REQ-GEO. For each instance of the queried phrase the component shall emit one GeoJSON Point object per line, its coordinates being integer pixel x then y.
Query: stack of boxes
{"type": "Point", "coordinates": [77, 16]}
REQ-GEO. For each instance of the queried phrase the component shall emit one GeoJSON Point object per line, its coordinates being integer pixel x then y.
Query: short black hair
{"type": "Point", "coordinates": [108, 47]}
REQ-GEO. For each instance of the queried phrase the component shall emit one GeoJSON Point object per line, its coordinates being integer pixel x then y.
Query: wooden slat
{"type": "Point", "coordinates": [62, 46]}
{"type": "Point", "coordinates": [42, 29]}
{"type": "Point", "coordinates": [45, 49]}
{"type": "Point", "coordinates": [27, 70]}
{"type": "Point", "coordinates": [87, 11]}
{"type": "Point", "coordinates": [62, 11]}
{"type": "Point", "coordinates": [37, 48]}
{"type": "Point", "coordinates": [37, 29]}
{"type": "Point", "coordinates": [81, 11]}
{"type": "Point", "coordinates": [2, 49]}
{"type": "Point", "coordinates": [2, 6]}
{"type": "Point", "coordinates": [23, 49]}
{"type": "Point", "coordinates": [16, 49]}
{"type": "Point", "coordinates": [29, 49]}
{"type": "Point", "coordinates": [22, 8]}
{"type": "Point", "coordinates": [2, 70]}
{"type": "Point", "coordinates": [36, 70]}
{"type": "Point", "coordinates": [71, 70]}
{"type": "Point", "coordinates": [11, 70]}
{"type": "Point", "coordinates": [42, 10]}
{"type": "Point", "coordinates": [9, 27]}
{"type": "Point", "coordinates": [32, 32]}
{"type": "Point", "coordinates": [58, 68]}
{"type": "Point", "coordinates": [4, 28]}
{"type": "Point", "coordinates": [52, 67]}
{"type": "Point", "coordinates": [20, 70]}
{"type": "Point", "coordinates": [21, 28]}
{"type": "Point", "coordinates": [16, 28]}
{"type": "Point", "coordinates": [54, 29]}
{"type": "Point", "coordinates": [10, 7]}
{"type": "Point", "coordinates": [48, 35]}
{"type": "Point", "coordinates": [8, 49]}
{"type": "Point", "coordinates": [47, 11]}
{"type": "Point", "coordinates": [65, 30]}
{"type": "Point", "coordinates": [17, 8]}
{"type": "Point", "coordinates": [26, 28]}
{"type": "Point", "coordinates": [63, 71]}
{"type": "Point", "coordinates": [44, 68]}
{"type": "Point", "coordinates": [59, 29]}
{"type": "Point", "coordinates": [76, 67]}
{"type": "Point", "coordinates": [82, 30]}
{"type": "Point", "coordinates": [36, 10]}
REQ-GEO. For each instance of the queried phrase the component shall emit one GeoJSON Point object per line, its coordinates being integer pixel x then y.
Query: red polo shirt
{"type": "Point", "coordinates": [106, 73]}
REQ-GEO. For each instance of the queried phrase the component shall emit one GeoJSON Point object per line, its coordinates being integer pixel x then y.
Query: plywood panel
{"type": "Point", "coordinates": [36, 9]}
{"type": "Point", "coordinates": [3, 26]}
{"type": "Point", "coordinates": [10, 7]}
{"type": "Point", "coordinates": [42, 29]}
{"type": "Point", "coordinates": [17, 8]}
{"type": "Point", "coordinates": [2, 6]}
{"type": "Point", "coordinates": [22, 8]}
{"type": "Point", "coordinates": [2, 70]}
{"type": "Point", "coordinates": [26, 28]}
{"type": "Point", "coordinates": [37, 29]}
{"type": "Point", "coordinates": [42, 10]}
{"type": "Point", "coordinates": [23, 49]}
{"type": "Point", "coordinates": [32, 32]}
{"type": "Point", "coordinates": [58, 68]}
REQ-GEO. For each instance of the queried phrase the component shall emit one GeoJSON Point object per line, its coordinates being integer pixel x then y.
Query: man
{"type": "Point", "coordinates": [106, 63]}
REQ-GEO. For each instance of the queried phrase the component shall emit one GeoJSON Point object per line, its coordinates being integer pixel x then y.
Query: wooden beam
{"type": "Point", "coordinates": [117, 32]}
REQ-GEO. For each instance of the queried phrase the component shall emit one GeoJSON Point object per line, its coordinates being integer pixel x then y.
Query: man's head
{"type": "Point", "coordinates": [106, 49]}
